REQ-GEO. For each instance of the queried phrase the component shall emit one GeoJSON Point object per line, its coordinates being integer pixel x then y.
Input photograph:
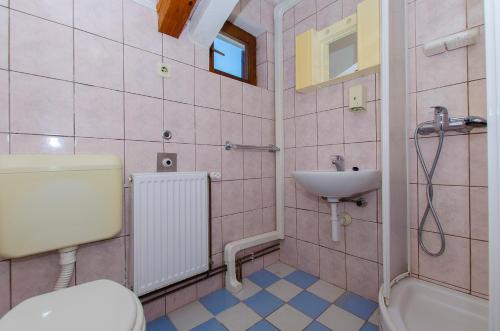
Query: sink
{"type": "Point", "coordinates": [335, 185]}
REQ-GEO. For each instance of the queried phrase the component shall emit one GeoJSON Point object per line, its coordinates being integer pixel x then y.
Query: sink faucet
{"type": "Point", "coordinates": [339, 162]}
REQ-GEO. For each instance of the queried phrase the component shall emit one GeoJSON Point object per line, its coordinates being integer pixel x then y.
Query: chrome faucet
{"type": "Point", "coordinates": [339, 162]}
{"type": "Point", "coordinates": [443, 122]}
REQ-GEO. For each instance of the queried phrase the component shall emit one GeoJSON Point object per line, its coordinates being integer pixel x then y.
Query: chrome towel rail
{"type": "Point", "coordinates": [270, 148]}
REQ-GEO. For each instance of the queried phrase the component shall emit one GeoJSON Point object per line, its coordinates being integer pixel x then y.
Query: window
{"type": "Point", "coordinates": [233, 54]}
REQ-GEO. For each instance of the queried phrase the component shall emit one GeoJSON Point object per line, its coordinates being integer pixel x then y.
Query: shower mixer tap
{"type": "Point", "coordinates": [442, 122]}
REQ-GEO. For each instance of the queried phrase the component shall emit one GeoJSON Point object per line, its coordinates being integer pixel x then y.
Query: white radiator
{"type": "Point", "coordinates": [170, 228]}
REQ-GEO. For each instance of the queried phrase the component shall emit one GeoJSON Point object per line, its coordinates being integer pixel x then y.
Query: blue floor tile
{"type": "Point", "coordinates": [357, 305]}
{"type": "Point", "coordinates": [210, 325]}
{"type": "Point", "coordinates": [309, 304]}
{"type": "Point", "coordinates": [369, 327]}
{"type": "Point", "coordinates": [264, 303]}
{"type": "Point", "coordinates": [317, 326]}
{"type": "Point", "coordinates": [160, 324]}
{"type": "Point", "coordinates": [301, 279]}
{"type": "Point", "coordinates": [263, 278]}
{"type": "Point", "coordinates": [219, 301]}
{"type": "Point", "coordinates": [263, 325]}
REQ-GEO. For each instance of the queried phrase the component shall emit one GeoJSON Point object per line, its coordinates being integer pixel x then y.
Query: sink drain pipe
{"type": "Point", "coordinates": [338, 221]}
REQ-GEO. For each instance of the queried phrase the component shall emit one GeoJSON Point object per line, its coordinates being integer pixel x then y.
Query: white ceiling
{"type": "Point", "coordinates": [148, 3]}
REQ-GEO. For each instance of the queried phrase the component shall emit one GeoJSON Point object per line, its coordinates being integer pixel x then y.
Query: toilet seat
{"type": "Point", "coordinates": [98, 305]}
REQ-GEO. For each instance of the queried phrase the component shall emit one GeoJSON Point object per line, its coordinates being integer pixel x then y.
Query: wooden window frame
{"type": "Point", "coordinates": [249, 62]}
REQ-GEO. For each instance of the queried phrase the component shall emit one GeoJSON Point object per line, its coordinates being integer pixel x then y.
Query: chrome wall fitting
{"type": "Point", "coordinates": [442, 123]}
{"type": "Point", "coordinates": [360, 202]}
{"type": "Point", "coordinates": [339, 162]}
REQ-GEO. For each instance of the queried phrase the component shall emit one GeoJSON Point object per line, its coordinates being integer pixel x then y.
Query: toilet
{"type": "Point", "coordinates": [98, 305]}
{"type": "Point", "coordinates": [58, 202]}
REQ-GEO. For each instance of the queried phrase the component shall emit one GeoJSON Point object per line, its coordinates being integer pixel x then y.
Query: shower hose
{"type": "Point", "coordinates": [430, 191]}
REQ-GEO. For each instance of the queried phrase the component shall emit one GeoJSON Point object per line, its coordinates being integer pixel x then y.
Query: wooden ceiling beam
{"type": "Point", "coordinates": [173, 15]}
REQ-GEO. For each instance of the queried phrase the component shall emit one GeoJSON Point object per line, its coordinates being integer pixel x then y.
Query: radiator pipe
{"type": "Point", "coordinates": [210, 273]}
{"type": "Point", "coordinates": [233, 248]}
{"type": "Point", "coordinates": [252, 256]}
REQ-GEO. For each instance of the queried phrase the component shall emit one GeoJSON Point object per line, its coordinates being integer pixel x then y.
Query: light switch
{"type": "Point", "coordinates": [357, 98]}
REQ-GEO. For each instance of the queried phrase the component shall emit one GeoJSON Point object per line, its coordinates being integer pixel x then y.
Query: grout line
{"type": "Point", "coordinates": [9, 97]}
{"type": "Point", "coordinates": [73, 83]}
{"type": "Point", "coordinates": [9, 135]}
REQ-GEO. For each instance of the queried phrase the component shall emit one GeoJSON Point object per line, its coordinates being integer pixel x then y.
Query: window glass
{"type": "Point", "coordinates": [229, 56]}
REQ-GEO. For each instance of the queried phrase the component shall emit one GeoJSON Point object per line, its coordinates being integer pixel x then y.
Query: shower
{"type": "Point", "coordinates": [441, 124]}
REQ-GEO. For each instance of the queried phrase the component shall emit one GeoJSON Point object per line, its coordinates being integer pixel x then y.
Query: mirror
{"type": "Point", "coordinates": [343, 56]}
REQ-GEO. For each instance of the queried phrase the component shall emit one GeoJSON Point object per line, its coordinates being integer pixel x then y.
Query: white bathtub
{"type": "Point", "coordinates": [416, 305]}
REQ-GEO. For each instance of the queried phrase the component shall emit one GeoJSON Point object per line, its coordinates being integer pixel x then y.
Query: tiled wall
{"type": "Point", "coordinates": [318, 125]}
{"type": "Point", "coordinates": [455, 80]}
{"type": "Point", "coordinates": [79, 76]}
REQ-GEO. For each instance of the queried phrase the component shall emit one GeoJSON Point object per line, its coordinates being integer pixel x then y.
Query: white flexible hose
{"type": "Point", "coordinates": [67, 262]}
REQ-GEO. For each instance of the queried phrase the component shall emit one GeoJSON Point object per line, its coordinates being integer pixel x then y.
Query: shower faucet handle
{"type": "Point", "coordinates": [441, 117]}
{"type": "Point", "coordinates": [439, 109]}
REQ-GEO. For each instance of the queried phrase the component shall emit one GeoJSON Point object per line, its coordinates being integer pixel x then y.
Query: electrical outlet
{"type": "Point", "coordinates": [164, 70]}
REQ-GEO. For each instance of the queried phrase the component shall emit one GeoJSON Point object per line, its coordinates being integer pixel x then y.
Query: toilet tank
{"type": "Point", "coordinates": [48, 202]}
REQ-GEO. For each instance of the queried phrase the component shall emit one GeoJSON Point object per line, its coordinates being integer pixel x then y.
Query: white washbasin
{"type": "Point", "coordinates": [339, 184]}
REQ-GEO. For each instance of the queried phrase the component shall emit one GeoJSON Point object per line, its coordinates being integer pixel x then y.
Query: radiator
{"type": "Point", "coordinates": [170, 238]}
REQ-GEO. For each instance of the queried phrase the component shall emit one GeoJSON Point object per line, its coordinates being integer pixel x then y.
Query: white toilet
{"type": "Point", "coordinates": [57, 202]}
{"type": "Point", "coordinates": [99, 305]}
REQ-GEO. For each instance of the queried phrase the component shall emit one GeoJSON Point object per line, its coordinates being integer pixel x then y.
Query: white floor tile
{"type": "Point", "coordinates": [249, 289]}
{"type": "Point", "coordinates": [239, 317]}
{"type": "Point", "coordinates": [326, 290]}
{"type": "Point", "coordinates": [375, 318]}
{"type": "Point", "coordinates": [289, 318]}
{"type": "Point", "coordinates": [280, 269]}
{"type": "Point", "coordinates": [284, 290]}
{"type": "Point", "coordinates": [338, 319]}
{"type": "Point", "coordinates": [189, 316]}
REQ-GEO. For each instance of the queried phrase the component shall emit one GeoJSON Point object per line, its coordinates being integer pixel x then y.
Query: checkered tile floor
{"type": "Point", "coordinates": [275, 298]}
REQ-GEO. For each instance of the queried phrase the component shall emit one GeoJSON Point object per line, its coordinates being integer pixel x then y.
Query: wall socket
{"type": "Point", "coordinates": [164, 70]}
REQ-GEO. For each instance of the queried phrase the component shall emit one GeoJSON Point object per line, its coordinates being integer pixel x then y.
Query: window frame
{"type": "Point", "coordinates": [250, 60]}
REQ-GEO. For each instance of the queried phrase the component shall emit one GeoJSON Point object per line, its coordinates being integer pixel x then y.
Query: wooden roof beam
{"type": "Point", "coordinates": [173, 15]}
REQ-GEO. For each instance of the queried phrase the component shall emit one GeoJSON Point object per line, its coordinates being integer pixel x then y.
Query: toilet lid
{"type": "Point", "coordinates": [98, 305]}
